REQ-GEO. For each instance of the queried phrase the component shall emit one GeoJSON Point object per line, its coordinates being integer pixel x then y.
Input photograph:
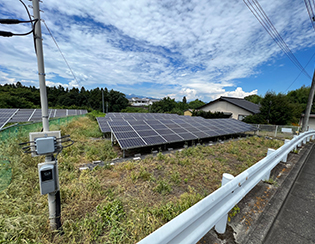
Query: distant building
{"type": "Point", "coordinates": [188, 112]}
{"type": "Point", "coordinates": [311, 121]}
{"type": "Point", "coordinates": [238, 107]}
{"type": "Point", "coordinates": [141, 102]}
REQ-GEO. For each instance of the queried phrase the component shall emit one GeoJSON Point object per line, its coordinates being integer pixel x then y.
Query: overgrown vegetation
{"type": "Point", "coordinates": [119, 203]}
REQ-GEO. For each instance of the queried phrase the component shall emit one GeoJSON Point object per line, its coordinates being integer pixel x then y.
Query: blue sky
{"type": "Point", "coordinates": [199, 49]}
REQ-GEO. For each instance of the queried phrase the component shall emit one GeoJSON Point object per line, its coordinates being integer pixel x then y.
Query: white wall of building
{"type": "Point", "coordinates": [223, 106]}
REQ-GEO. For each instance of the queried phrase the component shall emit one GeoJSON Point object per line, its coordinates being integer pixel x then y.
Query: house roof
{"type": "Point", "coordinates": [240, 102]}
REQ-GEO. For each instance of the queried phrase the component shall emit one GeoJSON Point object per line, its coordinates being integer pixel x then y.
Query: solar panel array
{"type": "Point", "coordinates": [134, 131]}
{"type": "Point", "coordinates": [5, 115]}
{"type": "Point", "coordinates": [24, 115]}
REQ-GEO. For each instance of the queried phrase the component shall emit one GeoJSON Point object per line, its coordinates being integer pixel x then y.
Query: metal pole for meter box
{"type": "Point", "coordinates": [54, 197]}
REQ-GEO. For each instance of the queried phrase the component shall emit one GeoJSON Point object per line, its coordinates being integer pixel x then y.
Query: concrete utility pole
{"type": "Point", "coordinates": [53, 197]}
{"type": "Point", "coordinates": [309, 105]}
{"type": "Point", "coordinates": [103, 101]}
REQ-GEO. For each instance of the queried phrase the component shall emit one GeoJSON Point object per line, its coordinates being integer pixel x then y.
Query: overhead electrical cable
{"type": "Point", "coordinates": [300, 73]}
{"type": "Point", "coordinates": [310, 10]}
{"type": "Point", "coordinates": [264, 20]}
{"type": "Point", "coordinates": [64, 58]}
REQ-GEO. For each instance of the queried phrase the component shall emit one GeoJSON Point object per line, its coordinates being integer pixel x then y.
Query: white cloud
{"type": "Point", "coordinates": [195, 48]}
{"type": "Point", "coordinates": [238, 92]}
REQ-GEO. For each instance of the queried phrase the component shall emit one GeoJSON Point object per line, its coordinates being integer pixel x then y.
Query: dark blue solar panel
{"type": "Point", "coordinates": [201, 134]}
{"type": "Point", "coordinates": [158, 126]}
{"type": "Point", "coordinates": [154, 140]}
{"type": "Point", "coordinates": [124, 135]}
{"type": "Point", "coordinates": [131, 143]}
{"type": "Point", "coordinates": [179, 130]}
{"type": "Point", "coordinates": [164, 131]}
{"type": "Point", "coordinates": [154, 129]}
{"type": "Point", "coordinates": [188, 136]}
{"type": "Point", "coordinates": [143, 133]}
{"type": "Point", "coordinates": [122, 129]}
{"type": "Point", "coordinates": [141, 127]}
{"type": "Point", "coordinates": [172, 138]}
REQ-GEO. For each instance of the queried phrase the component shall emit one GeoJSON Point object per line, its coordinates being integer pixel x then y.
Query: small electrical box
{"type": "Point", "coordinates": [47, 177]}
{"type": "Point", "coordinates": [44, 143]}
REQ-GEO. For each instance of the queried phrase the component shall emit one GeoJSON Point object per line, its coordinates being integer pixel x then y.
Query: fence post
{"type": "Point", "coordinates": [221, 225]}
{"type": "Point", "coordinates": [276, 131]}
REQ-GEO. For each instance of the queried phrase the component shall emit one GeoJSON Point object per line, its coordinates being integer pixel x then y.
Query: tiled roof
{"type": "Point", "coordinates": [240, 102]}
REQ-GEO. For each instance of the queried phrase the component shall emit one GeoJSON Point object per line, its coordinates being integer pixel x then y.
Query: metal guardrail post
{"type": "Point", "coordinates": [221, 225]}
{"type": "Point", "coordinates": [267, 175]}
{"type": "Point", "coordinates": [285, 158]}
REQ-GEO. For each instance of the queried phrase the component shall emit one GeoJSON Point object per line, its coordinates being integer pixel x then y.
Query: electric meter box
{"type": "Point", "coordinates": [47, 177]}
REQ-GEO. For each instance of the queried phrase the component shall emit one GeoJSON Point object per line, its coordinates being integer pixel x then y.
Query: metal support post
{"type": "Point", "coordinates": [285, 158]}
{"type": "Point", "coordinates": [221, 225]}
{"type": "Point", "coordinates": [54, 197]}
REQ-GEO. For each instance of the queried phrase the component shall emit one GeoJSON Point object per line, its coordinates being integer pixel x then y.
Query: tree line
{"type": "Point", "coordinates": [19, 96]}
{"type": "Point", "coordinates": [280, 109]}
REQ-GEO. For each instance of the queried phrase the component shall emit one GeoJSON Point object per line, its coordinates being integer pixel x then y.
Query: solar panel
{"type": "Point", "coordinates": [147, 133]}
{"type": "Point", "coordinates": [6, 115]}
{"type": "Point", "coordinates": [131, 143]}
{"type": "Point", "coordinates": [125, 135]}
{"type": "Point", "coordinates": [139, 130]}
{"type": "Point", "coordinates": [154, 140]}
{"type": "Point", "coordinates": [172, 138]}
{"type": "Point", "coordinates": [25, 115]}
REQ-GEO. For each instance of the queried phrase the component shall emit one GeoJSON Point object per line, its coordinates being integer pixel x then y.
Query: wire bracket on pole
{"type": "Point", "coordinates": [43, 75]}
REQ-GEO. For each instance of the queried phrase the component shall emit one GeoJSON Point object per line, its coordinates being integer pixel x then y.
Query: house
{"type": "Point", "coordinates": [238, 107]}
{"type": "Point", "coordinates": [188, 112]}
{"type": "Point", "coordinates": [311, 121]}
{"type": "Point", "coordinates": [141, 102]}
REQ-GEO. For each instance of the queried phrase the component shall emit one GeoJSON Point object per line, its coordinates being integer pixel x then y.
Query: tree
{"type": "Point", "coordinates": [166, 105]}
{"type": "Point", "coordinates": [184, 100]}
{"type": "Point", "coordinates": [275, 109]}
{"type": "Point", "coordinates": [254, 99]}
{"type": "Point", "coordinates": [195, 104]}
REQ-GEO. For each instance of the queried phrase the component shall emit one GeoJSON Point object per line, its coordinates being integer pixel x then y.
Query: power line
{"type": "Point", "coordinates": [64, 58]}
{"type": "Point", "coordinates": [310, 11]}
{"type": "Point", "coordinates": [300, 72]}
{"type": "Point", "coordinates": [61, 53]}
{"type": "Point", "coordinates": [264, 20]}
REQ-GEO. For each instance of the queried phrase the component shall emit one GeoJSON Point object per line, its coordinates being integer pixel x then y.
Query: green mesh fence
{"type": "Point", "coordinates": [23, 130]}
{"type": "Point", "coordinates": [5, 174]}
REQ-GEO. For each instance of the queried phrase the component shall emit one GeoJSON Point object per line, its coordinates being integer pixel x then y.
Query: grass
{"type": "Point", "coordinates": [121, 203]}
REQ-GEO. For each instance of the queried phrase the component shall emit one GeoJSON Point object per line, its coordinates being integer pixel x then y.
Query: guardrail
{"type": "Point", "coordinates": [212, 211]}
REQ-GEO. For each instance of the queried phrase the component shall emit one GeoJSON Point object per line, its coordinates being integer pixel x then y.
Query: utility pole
{"type": "Point", "coordinates": [53, 197]}
{"type": "Point", "coordinates": [103, 101]}
{"type": "Point", "coordinates": [309, 105]}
